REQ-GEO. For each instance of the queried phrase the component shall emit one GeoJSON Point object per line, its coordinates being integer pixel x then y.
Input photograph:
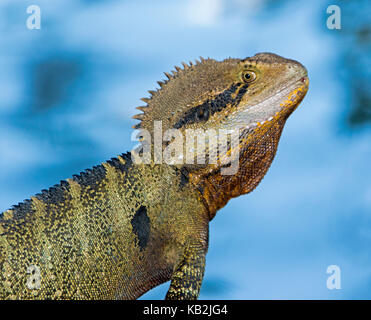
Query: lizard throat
{"type": "Point", "coordinates": [257, 148]}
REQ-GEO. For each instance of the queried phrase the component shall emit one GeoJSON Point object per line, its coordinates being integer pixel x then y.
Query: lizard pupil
{"type": "Point", "coordinates": [249, 76]}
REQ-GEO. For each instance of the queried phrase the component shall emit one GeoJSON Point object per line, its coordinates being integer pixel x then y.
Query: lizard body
{"type": "Point", "coordinates": [122, 228]}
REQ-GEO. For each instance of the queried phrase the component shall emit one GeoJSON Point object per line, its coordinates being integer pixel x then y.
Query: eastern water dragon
{"type": "Point", "coordinates": [121, 228]}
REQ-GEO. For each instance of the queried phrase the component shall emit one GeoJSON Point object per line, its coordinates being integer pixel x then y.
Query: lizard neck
{"type": "Point", "coordinates": [256, 156]}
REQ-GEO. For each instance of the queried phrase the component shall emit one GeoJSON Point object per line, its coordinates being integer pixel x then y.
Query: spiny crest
{"type": "Point", "coordinates": [170, 76]}
{"type": "Point", "coordinates": [59, 192]}
{"type": "Point", "coordinates": [181, 87]}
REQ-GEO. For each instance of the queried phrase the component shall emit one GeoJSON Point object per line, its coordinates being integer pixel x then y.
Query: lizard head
{"type": "Point", "coordinates": [251, 97]}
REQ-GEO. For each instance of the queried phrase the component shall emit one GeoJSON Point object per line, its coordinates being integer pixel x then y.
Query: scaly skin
{"type": "Point", "coordinates": [122, 228]}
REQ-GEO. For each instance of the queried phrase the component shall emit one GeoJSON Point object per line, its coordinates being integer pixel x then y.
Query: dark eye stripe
{"type": "Point", "coordinates": [203, 111]}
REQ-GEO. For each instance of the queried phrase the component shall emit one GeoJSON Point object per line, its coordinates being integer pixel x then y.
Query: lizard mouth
{"type": "Point", "coordinates": [283, 101]}
{"type": "Point", "coordinates": [267, 112]}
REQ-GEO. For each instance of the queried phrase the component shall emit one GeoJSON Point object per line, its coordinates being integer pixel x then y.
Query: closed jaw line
{"type": "Point", "coordinates": [266, 110]}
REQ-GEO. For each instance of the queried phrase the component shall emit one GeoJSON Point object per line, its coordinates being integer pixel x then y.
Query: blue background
{"type": "Point", "coordinates": [68, 91]}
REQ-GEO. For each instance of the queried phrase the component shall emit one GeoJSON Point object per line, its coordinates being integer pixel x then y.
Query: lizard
{"type": "Point", "coordinates": [121, 228]}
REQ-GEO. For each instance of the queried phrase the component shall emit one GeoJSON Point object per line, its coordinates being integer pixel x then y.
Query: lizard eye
{"type": "Point", "coordinates": [248, 76]}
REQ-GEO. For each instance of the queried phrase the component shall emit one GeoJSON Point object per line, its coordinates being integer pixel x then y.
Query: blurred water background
{"type": "Point", "coordinates": [68, 91]}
